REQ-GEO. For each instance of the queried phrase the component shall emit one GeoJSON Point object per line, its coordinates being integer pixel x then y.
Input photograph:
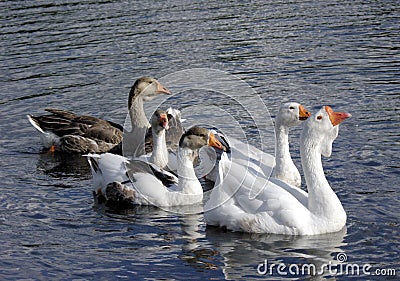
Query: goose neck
{"type": "Point", "coordinates": [284, 169]}
{"type": "Point", "coordinates": [282, 143]}
{"type": "Point", "coordinates": [322, 201]}
{"type": "Point", "coordinates": [136, 112]}
{"type": "Point", "coordinates": [313, 169]}
{"type": "Point", "coordinates": [159, 155]}
{"type": "Point", "coordinates": [188, 182]}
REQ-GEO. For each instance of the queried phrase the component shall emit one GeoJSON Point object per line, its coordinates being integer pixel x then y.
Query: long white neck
{"type": "Point", "coordinates": [188, 182]}
{"type": "Point", "coordinates": [285, 169]}
{"type": "Point", "coordinates": [322, 201]}
{"type": "Point", "coordinates": [138, 117]}
{"type": "Point", "coordinates": [159, 156]}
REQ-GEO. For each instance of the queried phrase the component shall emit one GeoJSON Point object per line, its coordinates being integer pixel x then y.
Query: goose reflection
{"type": "Point", "coordinates": [61, 165]}
{"type": "Point", "coordinates": [245, 254]}
{"type": "Point", "coordinates": [196, 251]}
{"type": "Point", "coordinates": [150, 232]}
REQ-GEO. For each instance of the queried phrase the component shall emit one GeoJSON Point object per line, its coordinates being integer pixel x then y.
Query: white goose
{"type": "Point", "coordinates": [66, 131]}
{"type": "Point", "coordinates": [280, 208]}
{"type": "Point", "coordinates": [290, 114]}
{"type": "Point", "coordinates": [123, 182]}
{"type": "Point", "coordinates": [160, 154]}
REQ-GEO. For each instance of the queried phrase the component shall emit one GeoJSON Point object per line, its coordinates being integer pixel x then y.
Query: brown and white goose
{"type": "Point", "coordinates": [66, 131]}
{"type": "Point", "coordinates": [147, 184]}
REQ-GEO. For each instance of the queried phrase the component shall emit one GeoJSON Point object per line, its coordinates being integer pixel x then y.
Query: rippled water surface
{"type": "Point", "coordinates": [85, 55]}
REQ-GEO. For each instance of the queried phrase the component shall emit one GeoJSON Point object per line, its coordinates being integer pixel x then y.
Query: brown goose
{"type": "Point", "coordinates": [68, 132]}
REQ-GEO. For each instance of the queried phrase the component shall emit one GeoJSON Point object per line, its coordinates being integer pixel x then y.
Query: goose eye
{"type": "Point", "coordinates": [291, 107]}
{"type": "Point", "coordinates": [319, 117]}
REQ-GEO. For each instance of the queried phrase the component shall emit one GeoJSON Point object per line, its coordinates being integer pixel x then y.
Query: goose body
{"type": "Point", "coordinates": [66, 131]}
{"type": "Point", "coordinates": [121, 181]}
{"type": "Point", "coordinates": [277, 207]}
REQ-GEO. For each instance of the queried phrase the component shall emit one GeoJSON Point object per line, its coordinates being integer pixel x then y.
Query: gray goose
{"type": "Point", "coordinates": [66, 131]}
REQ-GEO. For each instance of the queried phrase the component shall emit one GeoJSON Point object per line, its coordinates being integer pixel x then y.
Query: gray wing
{"type": "Point", "coordinates": [139, 166]}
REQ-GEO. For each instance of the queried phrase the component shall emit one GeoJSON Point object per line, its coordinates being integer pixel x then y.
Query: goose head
{"type": "Point", "coordinates": [291, 114]}
{"type": "Point", "coordinates": [146, 87]}
{"type": "Point", "coordinates": [322, 129]}
{"type": "Point", "coordinates": [159, 121]}
{"type": "Point", "coordinates": [197, 137]}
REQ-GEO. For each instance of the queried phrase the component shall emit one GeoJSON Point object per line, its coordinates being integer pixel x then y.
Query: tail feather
{"type": "Point", "coordinates": [93, 162]}
{"type": "Point", "coordinates": [97, 175]}
{"type": "Point", "coordinates": [106, 168]}
{"type": "Point", "coordinates": [48, 138]}
{"type": "Point", "coordinates": [34, 122]}
{"type": "Point", "coordinates": [52, 123]}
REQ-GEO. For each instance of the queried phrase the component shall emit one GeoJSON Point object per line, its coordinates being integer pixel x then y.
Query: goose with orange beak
{"type": "Point", "coordinates": [289, 115]}
{"type": "Point", "coordinates": [281, 166]}
{"type": "Point", "coordinates": [123, 182]}
{"type": "Point", "coordinates": [280, 208]}
{"type": "Point", "coordinates": [66, 131]}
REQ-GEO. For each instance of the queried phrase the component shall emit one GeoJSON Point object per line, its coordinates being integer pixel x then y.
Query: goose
{"type": "Point", "coordinates": [63, 130]}
{"type": "Point", "coordinates": [163, 154]}
{"type": "Point", "coordinates": [159, 156]}
{"type": "Point", "coordinates": [121, 182]}
{"type": "Point", "coordinates": [281, 208]}
{"type": "Point", "coordinates": [290, 114]}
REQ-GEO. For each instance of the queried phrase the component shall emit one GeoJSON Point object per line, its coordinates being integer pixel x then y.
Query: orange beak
{"type": "Point", "coordinates": [162, 90]}
{"type": "Point", "coordinates": [336, 117]}
{"type": "Point", "coordinates": [212, 141]}
{"type": "Point", "coordinates": [303, 113]}
{"type": "Point", "coordinates": [164, 121]}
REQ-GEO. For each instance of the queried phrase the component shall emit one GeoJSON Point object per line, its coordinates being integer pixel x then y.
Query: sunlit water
{"type": "Point", "coordinates": [85, 55]}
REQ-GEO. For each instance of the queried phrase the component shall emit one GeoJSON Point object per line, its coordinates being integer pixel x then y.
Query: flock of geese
{"type": "Point", "coordinates": [253, 191]}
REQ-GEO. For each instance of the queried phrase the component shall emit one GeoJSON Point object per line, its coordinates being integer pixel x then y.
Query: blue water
{"type": "Point", "coordinates": [85, 55]}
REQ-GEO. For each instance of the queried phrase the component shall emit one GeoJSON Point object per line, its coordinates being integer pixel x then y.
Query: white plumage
{"type": "Point", "coordinates": [278, 207]}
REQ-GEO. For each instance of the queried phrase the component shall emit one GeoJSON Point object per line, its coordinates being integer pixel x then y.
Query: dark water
{"type": "Point", "coordinates": [85, 55]}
